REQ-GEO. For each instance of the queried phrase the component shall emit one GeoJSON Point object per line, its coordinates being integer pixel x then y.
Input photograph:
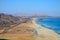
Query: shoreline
{"type": "Point", "coordinates": [45, 31]}
{"type": "Point", "coordinates": [45, 26]}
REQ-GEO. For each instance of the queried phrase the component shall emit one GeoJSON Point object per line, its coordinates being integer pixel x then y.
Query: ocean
{"type": "Point", "coordinates": [50, 23]}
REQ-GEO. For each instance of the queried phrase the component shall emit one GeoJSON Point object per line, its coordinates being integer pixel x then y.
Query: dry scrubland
{"type": "Point", "coordinates": [28, 30]}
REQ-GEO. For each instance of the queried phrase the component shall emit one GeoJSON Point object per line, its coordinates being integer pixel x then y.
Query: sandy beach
{"type": "Point", "coordinates": [30, 31]}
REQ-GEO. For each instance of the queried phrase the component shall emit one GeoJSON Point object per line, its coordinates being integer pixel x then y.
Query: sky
{"type": "Point", "coordinates": [16, 7]}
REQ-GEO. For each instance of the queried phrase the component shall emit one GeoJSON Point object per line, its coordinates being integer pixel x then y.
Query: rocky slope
{"type": "Point", "coordinates": [9, 21]}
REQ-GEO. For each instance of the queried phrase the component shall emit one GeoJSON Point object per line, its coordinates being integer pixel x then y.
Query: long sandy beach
{"type": "Point", "coordinates": [30, 31]}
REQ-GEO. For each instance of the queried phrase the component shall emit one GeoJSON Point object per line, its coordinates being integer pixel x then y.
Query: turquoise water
{"type": "Point", "coordinates": [51, 23]}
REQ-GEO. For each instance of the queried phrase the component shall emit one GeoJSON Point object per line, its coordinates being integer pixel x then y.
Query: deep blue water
{"type": "Point", "coordinates": [51, 23]}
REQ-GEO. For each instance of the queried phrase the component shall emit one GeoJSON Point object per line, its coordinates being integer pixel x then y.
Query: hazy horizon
{"type": "Point", "coordinates": [27, 7]}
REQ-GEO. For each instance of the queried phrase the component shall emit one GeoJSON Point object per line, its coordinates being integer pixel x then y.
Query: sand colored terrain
{"type": "Point", "coordinates": [30, 31]}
